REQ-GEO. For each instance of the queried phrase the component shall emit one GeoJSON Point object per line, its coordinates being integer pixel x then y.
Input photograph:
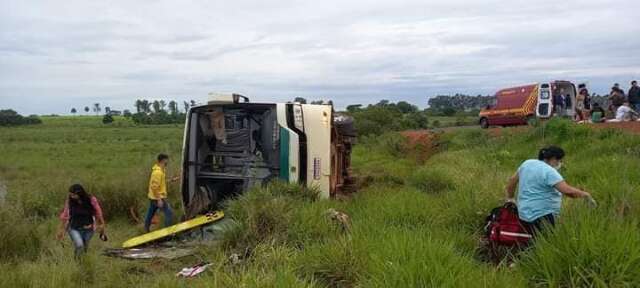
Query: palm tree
{"type": "Point", "coordinates": [146, 106]}
{"type": "Point", "coordinates": [86, 109]}
{"type": "Point", "coordinates": [163, 105]}
{"type": "Point", "coordinates": [96, 108]}
{"type": "Point", "coordinates": [73, 111]}
{"type": "Point", "coordinates": [173, 107]}
{"type": "Point", "coordinates": [186, 106]}
{"type": "Point", "coordinates": [138, 105]}
{"type": "Point", "coordinates": [156, 106]}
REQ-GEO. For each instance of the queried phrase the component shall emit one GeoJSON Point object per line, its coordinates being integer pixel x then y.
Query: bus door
{"type": "Point", "coordinates": [545, 101]}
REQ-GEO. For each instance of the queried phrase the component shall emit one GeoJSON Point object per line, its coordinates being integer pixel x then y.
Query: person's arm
{"type": "Point", "coordinates": [571, 191]}
{"type": "Point", "coordinates": [99, 215]}
{"type": "Point", "coordinates": [64, 221]}
{"type": "Point", "coordinates": [510, 191]}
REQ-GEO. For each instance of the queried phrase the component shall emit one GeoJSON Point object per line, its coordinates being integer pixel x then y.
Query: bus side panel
{"type": "Point", "coordinates": [289, 144]}
{"type": "Point", "coordinates": [317, 125]}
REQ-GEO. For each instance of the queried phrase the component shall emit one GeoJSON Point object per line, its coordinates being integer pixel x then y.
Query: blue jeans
{"type": "Point", "coordinates": [80, 239]}
{"type": "Point", "coordinates": [153, 207]}
{"type": "Point", "coordinates": [636, 106]}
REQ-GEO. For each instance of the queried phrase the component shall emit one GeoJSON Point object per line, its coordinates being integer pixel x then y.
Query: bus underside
{"type": "Point", "coordinates": [230, 148]}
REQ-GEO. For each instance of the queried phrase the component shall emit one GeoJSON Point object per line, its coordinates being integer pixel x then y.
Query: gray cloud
{"type": "Point", "coordinates": [59, 54]}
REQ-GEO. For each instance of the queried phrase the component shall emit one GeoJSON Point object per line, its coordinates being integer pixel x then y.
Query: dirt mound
{"type": "Point", "coordinates": [421, 144]}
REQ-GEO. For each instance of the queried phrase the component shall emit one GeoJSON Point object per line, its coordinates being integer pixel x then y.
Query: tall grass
{"type": "Point", "coordinates": [414, 225]}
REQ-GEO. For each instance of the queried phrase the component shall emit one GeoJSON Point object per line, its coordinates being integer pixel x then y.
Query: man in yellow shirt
{"type": "Point", "coordinates": [158, 193]}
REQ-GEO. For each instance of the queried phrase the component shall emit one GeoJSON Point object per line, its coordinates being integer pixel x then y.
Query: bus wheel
{"type": "Point", "coordinates": [484, 124]}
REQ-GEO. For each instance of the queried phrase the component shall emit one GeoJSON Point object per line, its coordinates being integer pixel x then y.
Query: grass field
{"type": "Point", "coordinates": [413, 224]}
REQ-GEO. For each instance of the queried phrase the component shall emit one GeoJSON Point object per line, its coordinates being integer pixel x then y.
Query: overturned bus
{"type": "Point", "coordinates": [231, 145]}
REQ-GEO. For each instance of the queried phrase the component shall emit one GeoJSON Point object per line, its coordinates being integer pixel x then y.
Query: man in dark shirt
{"type": "Point", "coordinates": [634, 95]}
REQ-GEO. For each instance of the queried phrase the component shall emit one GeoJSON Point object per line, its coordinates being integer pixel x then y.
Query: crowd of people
{"type": "Point", "coordinates": [620, 107]}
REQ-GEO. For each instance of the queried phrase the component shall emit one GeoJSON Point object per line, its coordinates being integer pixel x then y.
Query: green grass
{"type": "Point", "coordinates": [414, 224]}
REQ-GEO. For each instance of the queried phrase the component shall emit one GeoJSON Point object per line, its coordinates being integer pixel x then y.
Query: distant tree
{"type": "Point", "coordinates": [126, 113]}
{"type": "Point", "coordinates": [156, 106]}
{"type": "Point", "coordinates": [163, 105]}
{"type": "Point", "coordinates": [300, 100]}
{"type": "Point", "coordinates": [449, 111]}
{"type": "Point", "coordinates": [354, 108]}
{"type": "Point", "coordinates": [186, 106]}
{"type": "Point", "coordinates": [382, 103]}
{"type": "Point", "coordinates": [107, 110]}
{"type": "Point", "coordinates": [330, 102]}
{"type": "Point", "coordinates": [139, 106]}
{"type": "Point", "coordinates": [173, 107]}
{"type": "Point", "coordinates": [405, 107]}
{"type": "Point", "coordinates": [145, 106]}
{"type": "Point", "coordinates": [317, 102]}
{"type": "Point", "coordinates": [96, 108]}
{"type": "Point", "coordinates": [74, 111]}
{"type": "Point", "coordinates": [12, 118]}
{"type": "Point", "coordinates": [107, 119]}
{"type": "Point", "coordinates": [86, 109]}
{"type": "Point", "coordinates": [193, 103]}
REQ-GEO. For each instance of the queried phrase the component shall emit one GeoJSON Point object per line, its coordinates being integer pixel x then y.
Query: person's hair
{"type": "Point", "coordinates": [551, 152]}
{"type": "Point", "coordinates": [616, 84]}
{"type": "Point", "coordinates": [634, 82]}
{"type": "Point", "coordinates": [162, 157]}
{"type": "Point", "coordinates": [84, 197]}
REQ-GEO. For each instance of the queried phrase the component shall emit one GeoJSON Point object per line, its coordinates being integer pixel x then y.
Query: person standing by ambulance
{"type": "Point", "coordinates": [634, 96]}
{"type": "Point", "coordinates": [158, 193]}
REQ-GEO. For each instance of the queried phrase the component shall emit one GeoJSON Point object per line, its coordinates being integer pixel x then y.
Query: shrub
{"type": "Point", "coordinates": [12, 118]}
{"type": "Point", "coordinates": [392, 143]}
{"type": "Point", "coordinates": [18, 236]}
{"type": "Point", "coordinates": [107, 119]}
{"type": "Point", "coordinates": [431, 181]}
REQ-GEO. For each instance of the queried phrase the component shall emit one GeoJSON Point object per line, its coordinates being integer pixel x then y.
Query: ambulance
{"type": "Point", "coordinates": [523, 104]}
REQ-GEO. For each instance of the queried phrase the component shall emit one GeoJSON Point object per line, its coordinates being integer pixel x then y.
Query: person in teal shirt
{"type": "Point", "coordinates": [540, 189]}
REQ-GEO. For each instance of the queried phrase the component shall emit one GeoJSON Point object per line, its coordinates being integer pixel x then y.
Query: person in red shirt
{"type": "Point", "coordinates": [78, 218]}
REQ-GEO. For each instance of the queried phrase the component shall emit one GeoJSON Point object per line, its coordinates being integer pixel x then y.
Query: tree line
{"type": "Point", "coordinates": [12, 118]}
{"type": "Point", "coordinates": [160, 111]}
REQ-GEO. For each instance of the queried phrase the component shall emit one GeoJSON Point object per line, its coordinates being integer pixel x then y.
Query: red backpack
{"type": "Point", "coordinates": [504, 228]}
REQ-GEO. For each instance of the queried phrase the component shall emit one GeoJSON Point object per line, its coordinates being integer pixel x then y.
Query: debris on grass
{"type": "Point", "coordinates": [189, 272]}
{"type": "Point", "coordinates": [340, 218]}
{"type": "Point", "coordinates": [169, 253]}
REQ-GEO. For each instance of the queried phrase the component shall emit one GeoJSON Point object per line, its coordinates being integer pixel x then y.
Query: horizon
{"type": "Point", "coordinates": [60, 55]}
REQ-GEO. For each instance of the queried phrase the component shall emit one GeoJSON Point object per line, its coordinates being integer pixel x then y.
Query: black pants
{"type": "Point", "coordinates": [539, 224]}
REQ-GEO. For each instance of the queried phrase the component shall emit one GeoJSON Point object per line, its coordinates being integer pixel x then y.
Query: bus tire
{"type": "Point", "coordinates": [484, 123]}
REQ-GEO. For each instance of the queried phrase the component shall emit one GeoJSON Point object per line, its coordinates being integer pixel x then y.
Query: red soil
{"type": "Point", "coordinates": [421, 143]}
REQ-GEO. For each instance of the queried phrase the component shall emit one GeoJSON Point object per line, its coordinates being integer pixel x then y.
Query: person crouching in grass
{"type": "Point", "coordinates": [78, 218]}
{"type": "Point", "coordinates": [158, 193]}
{"type": "Point", "coordinates": [540, 189]}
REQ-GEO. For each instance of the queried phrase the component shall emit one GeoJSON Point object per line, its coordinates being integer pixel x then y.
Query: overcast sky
{"type": "Point", "coordinates": [55, 55]}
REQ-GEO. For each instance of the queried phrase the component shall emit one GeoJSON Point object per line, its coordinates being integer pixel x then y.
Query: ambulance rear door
{"type": "Point", "coordinates": [544, 108]}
